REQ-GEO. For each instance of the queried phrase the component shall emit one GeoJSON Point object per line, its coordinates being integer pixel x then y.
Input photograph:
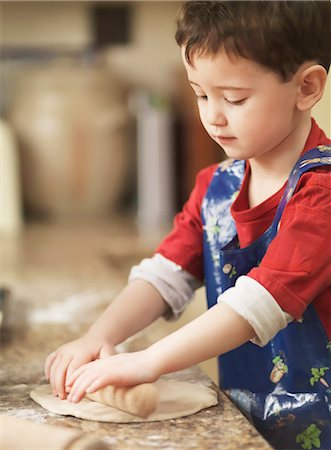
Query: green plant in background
{"type": "Point", "coordinates": [317, 375]}
{"type": "Point", "coordinates": [309, 437]}
{"type": "Point", "coordinates": [328, 346]}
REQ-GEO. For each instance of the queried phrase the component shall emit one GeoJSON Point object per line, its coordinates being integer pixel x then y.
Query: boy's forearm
{"type": "Point", "coordinates": [217, 331]}
{"type": "Point", "coordinates": [137, 306]}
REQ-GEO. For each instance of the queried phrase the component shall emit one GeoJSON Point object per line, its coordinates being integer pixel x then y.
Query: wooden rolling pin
{"type": "Point", "coordinates": [18, 434]}
{"type": "Point", "coordinates": [141, 400]}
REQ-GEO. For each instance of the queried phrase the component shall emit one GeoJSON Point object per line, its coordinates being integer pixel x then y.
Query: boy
{"type": "Point", "coordinates": [255, 229]}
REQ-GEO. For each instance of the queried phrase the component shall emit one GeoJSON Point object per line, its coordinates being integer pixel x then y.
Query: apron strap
{"type": "Point", "coordinates": [316, 157]}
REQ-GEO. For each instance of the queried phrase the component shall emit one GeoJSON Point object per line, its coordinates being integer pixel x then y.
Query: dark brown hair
{"type": "Point", "coordinates": [280, 35]}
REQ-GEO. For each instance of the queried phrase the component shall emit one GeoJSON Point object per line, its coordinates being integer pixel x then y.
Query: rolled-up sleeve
{"type": "Point", "coordinates": [175, 285]}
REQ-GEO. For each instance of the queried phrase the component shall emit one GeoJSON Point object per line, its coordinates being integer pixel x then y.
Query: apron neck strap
{"type": "Point", "coordinates": [316, 157]}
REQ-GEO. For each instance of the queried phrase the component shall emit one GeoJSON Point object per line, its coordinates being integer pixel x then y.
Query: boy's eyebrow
{"type": "Point", "coordinates": [229, 88]}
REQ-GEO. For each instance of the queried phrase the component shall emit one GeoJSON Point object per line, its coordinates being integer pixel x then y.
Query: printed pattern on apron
{"type": "Point", "coordinates": [284, 388]}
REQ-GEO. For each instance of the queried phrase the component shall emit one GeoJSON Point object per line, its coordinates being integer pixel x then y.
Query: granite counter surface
{"type": "Point", "coordinates": [47, 289]}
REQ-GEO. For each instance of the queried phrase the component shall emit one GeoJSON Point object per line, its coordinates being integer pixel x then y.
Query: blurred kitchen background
{"type": "Point", "coordinates": [99, 110]}
{"type": "Point", "coordinates": [100, 138]}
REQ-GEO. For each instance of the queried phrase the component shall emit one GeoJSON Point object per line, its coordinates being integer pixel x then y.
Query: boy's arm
{"type": "Point", "coordinates": [138, 305]}
{"type": "Point", "coordinates": [217, 331]}
{"type": "Point", "coordinates": [134, 308]}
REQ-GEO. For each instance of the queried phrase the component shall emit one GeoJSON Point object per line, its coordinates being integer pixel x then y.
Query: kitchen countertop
{"type": "Point", "coordinates": [59, 279]}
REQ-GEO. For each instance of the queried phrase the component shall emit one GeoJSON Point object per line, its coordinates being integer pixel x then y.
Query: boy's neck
{"type": "Point", "coordinates": [269, 174]}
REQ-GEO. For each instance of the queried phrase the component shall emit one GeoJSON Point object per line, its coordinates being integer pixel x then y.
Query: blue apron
{"type": "Point", "coordinates": [284, 387]}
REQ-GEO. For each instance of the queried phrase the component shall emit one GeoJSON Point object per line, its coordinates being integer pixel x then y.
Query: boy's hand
{"type": "Point", "coordinates": [125, 369]}
{"type": "Point", "coordinates": [62, 363]}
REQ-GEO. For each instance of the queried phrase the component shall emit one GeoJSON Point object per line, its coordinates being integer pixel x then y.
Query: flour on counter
{"type": "Point", "coordinates": [78, 308]}
{"type": "Point", "coordinates": [18, 386]}
{"type": "Point", "coordinates": [30, 414]}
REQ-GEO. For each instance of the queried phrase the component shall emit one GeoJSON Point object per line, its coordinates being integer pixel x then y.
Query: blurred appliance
{"type": "Point", "coordinates": [10, 192]}
{"type": "Point", "coordinates": [72, 123]}
{"type": "Point", "coordinates": [155, 163]}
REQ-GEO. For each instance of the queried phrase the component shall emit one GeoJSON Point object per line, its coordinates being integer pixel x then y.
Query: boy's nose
{"type": "Point", "coordinates": [215, 116]}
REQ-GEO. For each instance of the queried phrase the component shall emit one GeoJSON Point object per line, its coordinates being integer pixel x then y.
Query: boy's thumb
{"type": "Point", "coordinates": [107, 350]}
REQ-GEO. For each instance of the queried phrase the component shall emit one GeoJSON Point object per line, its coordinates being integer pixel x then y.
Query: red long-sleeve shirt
{"type": "Point", "coordinates": [296, 268]}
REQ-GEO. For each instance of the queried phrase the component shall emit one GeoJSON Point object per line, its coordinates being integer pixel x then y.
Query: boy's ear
{"type": "Point", "coordinates": [311, 83]}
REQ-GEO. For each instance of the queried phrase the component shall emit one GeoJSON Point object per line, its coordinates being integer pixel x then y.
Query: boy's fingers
{"type": "Point", "coordinates": [48, 364]}
{"type": "Point", "coordinates": [74, 365]}
{"type": "Point", "coordinates": [71, 379]}
{"type": "Point", "coordinates": [53, 370]}
{"type": "Point", "coordinates": [60, 376]}
{"type": "Point", "coordinates": [78, 389]}
{"type": "Point", "coordinates": [98, 383]}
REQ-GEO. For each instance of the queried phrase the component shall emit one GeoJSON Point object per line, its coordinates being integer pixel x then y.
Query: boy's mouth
{"type": "Point", "coordinates": [224, 139]}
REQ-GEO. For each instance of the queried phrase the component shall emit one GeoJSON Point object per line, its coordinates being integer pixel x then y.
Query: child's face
{"type": "Point", "coordinates": [245, 108]}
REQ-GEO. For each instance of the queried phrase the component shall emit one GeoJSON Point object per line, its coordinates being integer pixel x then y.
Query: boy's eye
{"type": "Point", "coordinates": [235, 102]}
{"type": "Point", "coordinates": [201, 97]}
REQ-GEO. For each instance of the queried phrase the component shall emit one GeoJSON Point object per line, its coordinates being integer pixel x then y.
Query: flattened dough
{"type": "Point", "coordinates": [177, 399]}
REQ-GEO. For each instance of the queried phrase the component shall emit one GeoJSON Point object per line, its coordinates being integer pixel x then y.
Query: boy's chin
{"type": "Point", "coordinates": [234, 153]}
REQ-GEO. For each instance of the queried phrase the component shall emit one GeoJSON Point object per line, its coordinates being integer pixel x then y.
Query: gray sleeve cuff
{"type": "Point", "coordinates": [175, 284]}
